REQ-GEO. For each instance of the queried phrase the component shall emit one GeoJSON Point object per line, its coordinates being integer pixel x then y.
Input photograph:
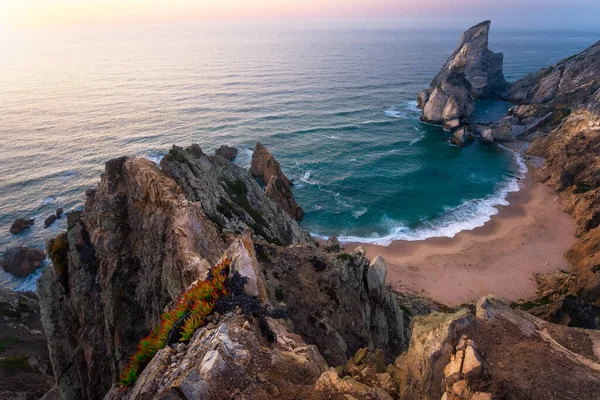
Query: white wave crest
{"type": "Point", "coordinates": [392, 112]}
{"type": "Point", "coordinates": [306, 178]}
{"type": "Point", "coordinates": [467, 216]}
{"type": "Point", "coordinates": [49, 199]}
{"type": "Point", "coordinates": [416, 140]}
{"type": "Point", "coordinates": [359, 213]}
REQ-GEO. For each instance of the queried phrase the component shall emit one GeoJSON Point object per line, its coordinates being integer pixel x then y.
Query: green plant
{"type": "Point", "coordinates": [18, 363]}
{"type": "Point", "coordinates": [188, 315]}
{"type": "Point", "coordinates": [59, 250]}
{"type": "Point", "coordinates": [9, 341]}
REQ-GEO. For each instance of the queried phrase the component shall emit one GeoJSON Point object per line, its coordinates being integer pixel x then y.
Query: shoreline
{"type": "Point", "coordinates": [529, 236]}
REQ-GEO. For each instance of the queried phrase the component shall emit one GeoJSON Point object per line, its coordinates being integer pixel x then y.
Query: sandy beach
{"type": "Point", "coordinates": [525, 238]}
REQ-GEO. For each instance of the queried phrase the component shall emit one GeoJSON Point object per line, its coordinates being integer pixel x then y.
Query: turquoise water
{"type": "Point", "coordinates": [335, 107]}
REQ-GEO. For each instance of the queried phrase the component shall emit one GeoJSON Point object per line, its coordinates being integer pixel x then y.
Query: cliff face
{"type": "Point", "coordinates": [471, 72]}
{"type": "Point", "coordinates": [570, 82]}
{"type": "Point", "coordinates": [147, 234]}
{"type": "Point", "coordinates": [572, 167]}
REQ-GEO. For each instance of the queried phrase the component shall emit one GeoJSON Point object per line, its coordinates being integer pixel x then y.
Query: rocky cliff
{"type": "Point", "coordinates": [147, 233]}
{"type": "Point", "coordinates": [296, 321]}
{"type": "Point", "coordinates": [471, 72]}
{"type": "Point", "coordinates": [568, 83]}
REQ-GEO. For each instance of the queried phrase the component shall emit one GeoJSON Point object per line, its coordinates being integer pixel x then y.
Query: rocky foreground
{"type": "Point", "coordinates": [300, 319]}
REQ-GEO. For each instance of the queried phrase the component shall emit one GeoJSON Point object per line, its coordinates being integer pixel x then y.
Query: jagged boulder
{"type": "Point", "coordinates": [471, 72]}
{"type": "Point", "coordinates": [232, 359]}
{"type": "Point", "coordinates": [332, 245]}
{"type": "Point", "coordinates": [264, 165]}
{"type": "Point", "coordinates": [21, 261]}
{"type": "Point", "coordinates": [228, 153]}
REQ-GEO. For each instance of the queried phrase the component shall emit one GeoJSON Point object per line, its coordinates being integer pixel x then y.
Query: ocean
{"type": "Point", "coordinates": [337, 108]}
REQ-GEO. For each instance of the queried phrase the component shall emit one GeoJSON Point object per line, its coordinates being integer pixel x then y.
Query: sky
{"type": "Point", "coordinates": [506, 14]}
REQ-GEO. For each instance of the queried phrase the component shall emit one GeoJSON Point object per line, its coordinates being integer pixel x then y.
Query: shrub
{"type": "Point", "coordinates": [59, 250]}
{"type": "Point", "coordinates": [180, 323]}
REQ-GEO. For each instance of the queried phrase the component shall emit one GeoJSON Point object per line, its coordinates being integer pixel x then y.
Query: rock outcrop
{"type": "Point", "coordinates": [471, 72]}
{"type": "Point", "coordinates": [497, 352]}
{"type": "Point", "coordinates": [228, 153]}
{"type": "Point", "coordinates": [264, 165]}
{"type": "Point", "coordinates": [570, 82]}
{"type": "Point", "coordinates": [229, 197]}
{"type": "Point", "coordinates": [462, 136]}
{"type": "Point", "coordinates": [266, 168]}
{"type": "Point", "coordinates": [20, 225]}
{"type": "Point", "coordinates": [147, 234]}
{"type": "Point", "coordinates": [22, 261]}
{"type": "Point", "coordinates": [280, 192]}
{"type": "Point", "coordinates": [572, 165]}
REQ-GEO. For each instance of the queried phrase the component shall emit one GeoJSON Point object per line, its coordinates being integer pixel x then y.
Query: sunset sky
{"type": "Point", "coordinates": [536, 14]}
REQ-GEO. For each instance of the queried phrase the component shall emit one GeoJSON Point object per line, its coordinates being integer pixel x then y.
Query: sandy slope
{"type": "Point", "coordinates": [528, 237]}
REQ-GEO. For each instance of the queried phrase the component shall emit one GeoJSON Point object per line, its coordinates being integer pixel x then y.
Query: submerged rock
{"type": "Point", "coordinates": [20, 225]}
{"type": "Point", "coordinates": [462, 136]}
{"type": "Point", "coordinates": [471, 72]}
{"type": "Point", "coordinates": [228, 153]}
{"type": "Point", "coordinates": [22, 261]}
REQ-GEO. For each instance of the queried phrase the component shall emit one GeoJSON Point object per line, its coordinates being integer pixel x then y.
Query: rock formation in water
{"type": "Point", "coordinates": [264, 166]}
{"type": "Point", "coordinates": [20, 225]}
{"type": "Point", "coordinates": [471, 72]}
{"type": "Point", "coordinates": [21, 261]}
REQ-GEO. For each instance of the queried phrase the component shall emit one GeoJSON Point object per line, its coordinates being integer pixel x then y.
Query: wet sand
{"type": "Point", "coordinates": [527, 237]}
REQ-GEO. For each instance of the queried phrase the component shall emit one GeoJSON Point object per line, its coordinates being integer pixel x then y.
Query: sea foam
{"type": "Point", "coordinates": [467, 216]}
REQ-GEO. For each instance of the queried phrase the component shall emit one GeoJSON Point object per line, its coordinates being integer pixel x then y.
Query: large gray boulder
{"type": "Point", "coordinates": [471, 72]}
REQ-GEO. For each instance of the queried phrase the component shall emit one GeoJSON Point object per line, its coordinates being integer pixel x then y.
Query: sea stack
{"type": "Point", "coordinates": [471, 72]}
